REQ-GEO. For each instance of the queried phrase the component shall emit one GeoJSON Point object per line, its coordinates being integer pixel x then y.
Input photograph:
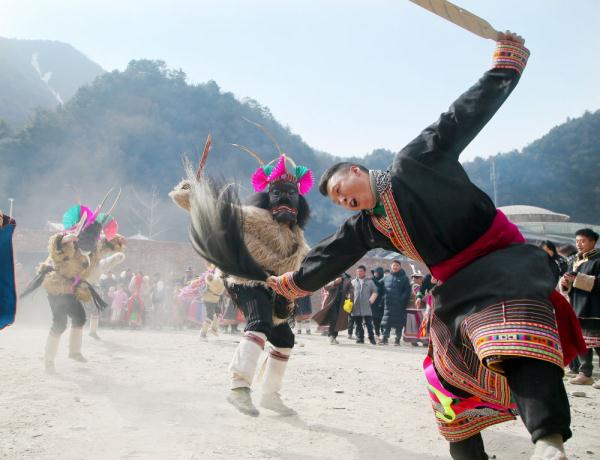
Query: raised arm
{"type": "Point", "coordinates": [328, 259]}
{"type": "Point", "coordinates": [457, 127]}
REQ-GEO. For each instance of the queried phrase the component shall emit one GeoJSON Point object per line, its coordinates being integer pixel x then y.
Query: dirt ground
{"type": "Point", "coordinates": [161, 395]}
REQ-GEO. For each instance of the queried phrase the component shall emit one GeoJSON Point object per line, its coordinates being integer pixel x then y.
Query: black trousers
{"type": "Point", "coordinates": [574, 365]}
{"type": "Point", "coordinates": [350, 325]}
{"type": "Point", "coordinates": [332, 318]}
{"type": "Point", "coordinates": [387, 331]}
{"type": "Point", "coordinates": [257, 304]}
{"type": "Point", "coordinates": [377, 325]}
{"type": "Point", "coordinates": [360, 331]}
{"type": "Point", "coordinates": [211, 309]}
{"type": "Point", "coordinates": [62, 306]}
{"type": "Point", "coordinates": [537, 388]}
{"type": "Point", "coordinates": [586, 361]}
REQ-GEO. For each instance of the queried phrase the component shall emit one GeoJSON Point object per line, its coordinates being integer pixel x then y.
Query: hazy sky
{"type": "Point", "coordinates": [348, 76]}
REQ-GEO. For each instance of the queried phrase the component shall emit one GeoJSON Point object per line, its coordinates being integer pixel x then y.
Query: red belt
{"type": "Point", "coordinates": [503, 233]}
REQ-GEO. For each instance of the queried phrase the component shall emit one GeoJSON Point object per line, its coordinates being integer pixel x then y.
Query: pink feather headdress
{"type": "Point", "coordinates": [282, 168]}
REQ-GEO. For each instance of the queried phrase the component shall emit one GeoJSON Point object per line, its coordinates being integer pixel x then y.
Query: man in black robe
{"type": "Point", "coordinates": [494, 331]}
{"type": "Point", "coordinates": [583, 284]}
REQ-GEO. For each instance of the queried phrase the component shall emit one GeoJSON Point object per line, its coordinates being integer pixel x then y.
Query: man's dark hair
{"type": "Point", "coordinates": [550, 245]}
{"type": "Point", "coordinates": [588, 233]}
{"type": "Point", "coordinates": [361, 266]}
{"type": "Point", "coordinates": [338, 167]}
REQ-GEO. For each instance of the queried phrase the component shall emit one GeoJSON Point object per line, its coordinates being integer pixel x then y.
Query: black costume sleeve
{"type": "Point", "coordinates": [457, 127]}
{"type": "Point", "coordinates": [335, 254]}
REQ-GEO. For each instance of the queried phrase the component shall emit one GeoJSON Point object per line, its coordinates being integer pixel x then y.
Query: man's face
{"type": "Point", "coordinates": [584, 244]}
{"type": "Point", "coordinates": [351, 189]}
{"type": "Point", "coordinates": [417, 280]}
{"type": "Point", "coordinates": [360, 273]}
{"type": "Point", "coordinates": [395, 267]}
{"type": "Point", "coordinates": [284, 201]}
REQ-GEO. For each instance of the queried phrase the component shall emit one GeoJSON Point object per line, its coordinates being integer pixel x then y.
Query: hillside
{"type": "Point", "coordinates": [132, 128]}
{"type": "Point", "coordinates": [39, 74]}
{"type": "Point", "coordinates": [559, 171]}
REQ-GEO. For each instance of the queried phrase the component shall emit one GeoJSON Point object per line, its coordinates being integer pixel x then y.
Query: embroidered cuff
{"type": "Point", "coordinates": [584, 282]}
{"type": "Point", "coordinates": [286, 287]}
{"type": "Point", "coordinates": [510, 55]}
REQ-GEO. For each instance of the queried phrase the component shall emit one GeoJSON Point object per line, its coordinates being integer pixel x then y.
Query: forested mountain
{"type": "Point", "coordinates": [558, 171]}
{"type": "Point", "coordinates": [39, 73]}
{"type": "Point", "coordinates": [132, 128]}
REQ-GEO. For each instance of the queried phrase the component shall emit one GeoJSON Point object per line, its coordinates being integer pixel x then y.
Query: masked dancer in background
{"type": "Point", "coordinates": [247, 243]}
{"type": "Point", "coordinates": [74, 255]}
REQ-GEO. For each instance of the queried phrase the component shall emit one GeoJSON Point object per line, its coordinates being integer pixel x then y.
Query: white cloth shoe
{"type": "Point", "coordinates": [94, 327]}
{"type": "Point", "coordinates": [273, 381]}
{"type": "Point", "coordinates": [50, 352]}
{"type": "Point", "coordinates": [75, 340]}
{"type": "Point", "coordinates": [549, 448]}
{"type": "Point", "coordinates": [272, 401]}
{"type": "Point", "coordinates": [245, 359]}
{"type": "Point", "coordinates": [240, 398]}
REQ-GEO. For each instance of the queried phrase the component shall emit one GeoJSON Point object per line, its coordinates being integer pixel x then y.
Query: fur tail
{"type": "Point", "coordinates": [37, 281]}
{"type": "Point", "coordinates": [217, 229]}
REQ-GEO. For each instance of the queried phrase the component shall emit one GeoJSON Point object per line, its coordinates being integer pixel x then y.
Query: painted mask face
{"type": "Point", "coordinates": [283, 201]}
{"type": "Point", "coordinates": [89, 237]}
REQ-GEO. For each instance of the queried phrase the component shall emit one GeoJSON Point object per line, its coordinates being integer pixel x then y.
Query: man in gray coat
{"type": "Point", "coordinates": [365, 293]}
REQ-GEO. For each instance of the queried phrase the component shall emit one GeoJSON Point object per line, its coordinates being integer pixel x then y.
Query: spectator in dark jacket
{"type": "Point", "coordinates": [397, 293]}
{"type": "Point", "coordinates": [377, 307]}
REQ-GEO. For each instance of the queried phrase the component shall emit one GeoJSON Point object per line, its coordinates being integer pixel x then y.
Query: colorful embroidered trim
{"type": "Point", "coordinates": [256, 339]}
{"type": "Point", "coordinates": [518, 328]}
{"type": "Point", "coordinates": [510, 55]}
{"type": "Point", "coordinates": [286, 287]}
{"type": "Point", "coordinates": [395, 227]}
{"type": "Point", "coordinates": [591, 341]}
{"type": "Point", "coordinates": [278, 355]}
{"type": "Point", "coordinates": [459, 418]}
{"type": "Point", "coordinates": [524, 328]}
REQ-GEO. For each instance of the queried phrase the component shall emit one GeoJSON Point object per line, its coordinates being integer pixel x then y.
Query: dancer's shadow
{"type": "Point", "coordinates": [365, 446]}
{"type": "Point", "coordinates": [116, 347]}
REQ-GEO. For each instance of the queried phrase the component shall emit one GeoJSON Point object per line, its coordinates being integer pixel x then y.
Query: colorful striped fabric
{"type": "Point", "coordinates": [287, 287]}
{"type": "Point", "coordinates": [517, 328]}
{"type": "Point", "coordinates": [510, 55]}
{"type": "Point", "coordinates": [393, 226]}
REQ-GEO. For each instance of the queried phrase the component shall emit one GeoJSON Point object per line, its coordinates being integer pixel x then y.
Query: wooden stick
{"type": "Point", "coordinates": [460, 17]}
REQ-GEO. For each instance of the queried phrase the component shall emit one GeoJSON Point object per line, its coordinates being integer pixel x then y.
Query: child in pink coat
{"type": "Point", "coordinates": [119, 302]}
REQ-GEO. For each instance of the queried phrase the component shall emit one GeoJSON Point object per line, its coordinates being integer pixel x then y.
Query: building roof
{"type": "Point", "coordinates": [523, 213]}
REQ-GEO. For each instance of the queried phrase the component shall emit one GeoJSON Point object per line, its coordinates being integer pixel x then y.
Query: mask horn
{"type": "Point", "coordinates": [251, 153]}
{"type": "Point", "coordinates": [115, 202]}
{"type": "Point", "coordinates": [101, 205]}
{"type": "Point", "coordinates": [80, 225]}
{"type": "Point", "coordinates": [266, 131]}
